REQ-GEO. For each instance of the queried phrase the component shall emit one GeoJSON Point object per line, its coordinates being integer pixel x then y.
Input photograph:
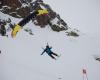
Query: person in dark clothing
{"type": "Point", "coordinates": [49, 52]}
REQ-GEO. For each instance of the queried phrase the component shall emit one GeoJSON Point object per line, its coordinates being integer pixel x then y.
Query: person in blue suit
{"type": "Point", "coordinates": [49, 52]}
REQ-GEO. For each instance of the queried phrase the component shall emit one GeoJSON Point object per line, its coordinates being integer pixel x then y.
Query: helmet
{"type": "Point", "coordinates": [47, 46]}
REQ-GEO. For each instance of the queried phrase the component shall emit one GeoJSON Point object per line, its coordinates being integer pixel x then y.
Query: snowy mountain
{"type": "Point", "coordinates": [52, 19]}
{"type": "Point", "coordinates": [20, 57]}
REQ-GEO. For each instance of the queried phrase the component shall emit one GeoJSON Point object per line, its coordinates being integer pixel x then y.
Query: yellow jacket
{"type": "Point", "coordinates": [44, 11]}
{"type": "Point", "coordinates": [15, 30]}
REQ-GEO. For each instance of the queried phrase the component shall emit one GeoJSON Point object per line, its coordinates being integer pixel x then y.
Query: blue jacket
{"type": "Point", "coordinates": [47, 50]}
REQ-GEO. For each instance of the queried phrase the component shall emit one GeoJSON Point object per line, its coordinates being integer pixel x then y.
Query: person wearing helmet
{"type": "Point", "coordinates": [49, 52]}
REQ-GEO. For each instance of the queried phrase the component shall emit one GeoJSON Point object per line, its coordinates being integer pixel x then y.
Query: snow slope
{"type": "Point", "coordinates": [21, 59]}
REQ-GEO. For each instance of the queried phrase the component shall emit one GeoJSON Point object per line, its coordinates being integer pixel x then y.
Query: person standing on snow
{"type": "Point", "coordinates": [49, 52]}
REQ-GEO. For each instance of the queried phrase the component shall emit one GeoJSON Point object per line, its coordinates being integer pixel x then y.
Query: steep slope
{"type": "Point", "coordinates": [21, 60]}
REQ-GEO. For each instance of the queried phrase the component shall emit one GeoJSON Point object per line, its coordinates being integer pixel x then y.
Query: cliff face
{"type": "Point", "coordinates": [14, 8]}
{"type": "Point", "coordinates": [11, 3]}
{"type": "Point", "coordinates": [22, 8]}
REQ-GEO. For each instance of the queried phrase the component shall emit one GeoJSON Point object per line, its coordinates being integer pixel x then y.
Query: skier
{"type": "Point", "coordinates": [49, 52]}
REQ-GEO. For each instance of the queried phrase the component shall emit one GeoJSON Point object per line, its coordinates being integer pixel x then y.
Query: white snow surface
{"type": "Point", "coordinates": [21, 60]}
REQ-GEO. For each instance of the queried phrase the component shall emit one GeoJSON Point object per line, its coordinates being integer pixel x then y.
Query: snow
{"type": "Point", "coordinates": [21, 60]}
{"type": "Point", "coordinates": [6, 7]}
{"type": "Point", "coordinates": [24, 5]}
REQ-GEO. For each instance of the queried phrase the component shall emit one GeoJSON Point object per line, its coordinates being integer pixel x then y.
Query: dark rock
{"type": "Point", "coordinates": [72, 33]}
